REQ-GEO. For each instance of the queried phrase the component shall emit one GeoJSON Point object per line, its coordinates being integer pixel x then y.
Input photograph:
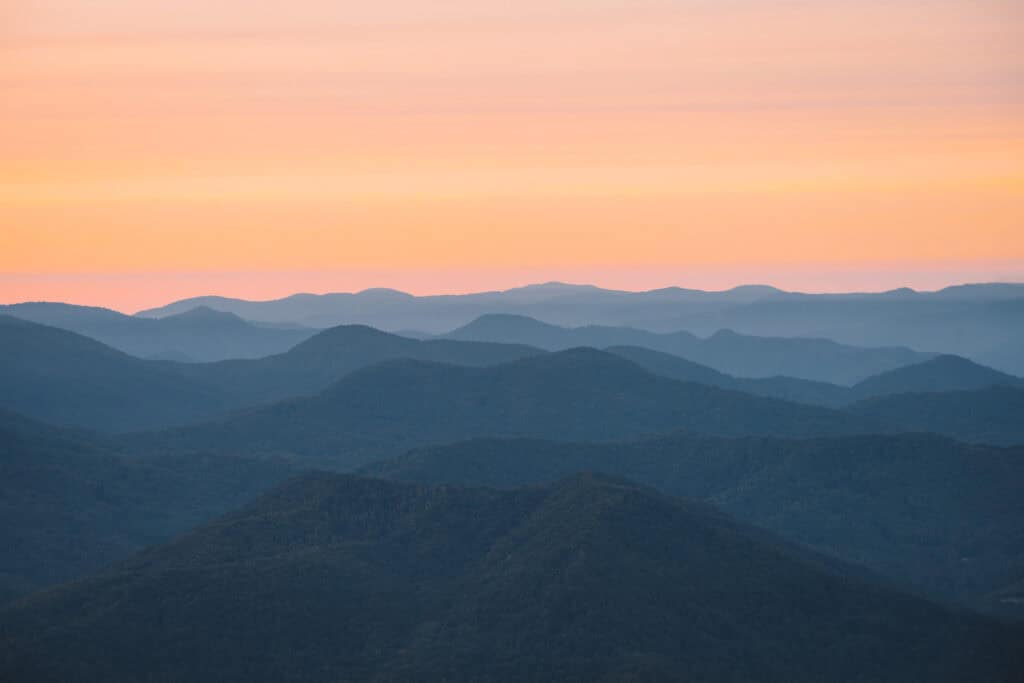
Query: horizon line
{"type": "Point", "coordinates": [953, 284]}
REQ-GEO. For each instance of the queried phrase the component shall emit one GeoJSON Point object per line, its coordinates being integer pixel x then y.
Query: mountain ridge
{"type": "Point", "coordinates": [384, 409]}
{"type": "Point", "coordinates": [983, 322]}
{"type": "Point", "coordinates": [939, 516]}
{"type": "Point", "coordinates": [301, 586]}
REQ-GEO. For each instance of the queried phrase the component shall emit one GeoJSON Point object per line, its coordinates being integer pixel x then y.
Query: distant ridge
{"type": "Point", "coordinates": [200, 334]}
{"type": "Point", "coordinates": [726, 351]}
{"type": "Point", "coordinates": [68, 379]}
{"type": "Point", "coordinates": [983, 322]}
{"type": "Point", "coordinates": [392, 309]}
{"type": "Point", "coordinates": [65, 378]}
{"type": "Point", "coordinates": [939, 374]}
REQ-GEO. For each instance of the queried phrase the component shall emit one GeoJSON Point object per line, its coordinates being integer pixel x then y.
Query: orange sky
{"type": "Point", "coordinates": [258, 148]}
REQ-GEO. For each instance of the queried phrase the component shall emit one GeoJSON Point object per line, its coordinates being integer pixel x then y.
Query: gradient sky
{"type": "Point", "coordinates": [154, 149]}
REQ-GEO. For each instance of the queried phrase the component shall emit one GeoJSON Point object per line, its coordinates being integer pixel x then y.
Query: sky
{"type": "Point", "coordinates": [157, 149]}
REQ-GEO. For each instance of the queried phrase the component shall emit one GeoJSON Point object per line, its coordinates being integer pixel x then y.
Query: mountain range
{"type": "Point", "coordinates": [199, 334]}
{"type": "Point", "coordinates": [943, 373]}
{"type": "Point", "coordinates": [339, 578]}
{"type": "Point", "coordinates": [472, 505]}
{"type": "Point", "coordinates": [385, 409]}
{"type": "Point", "coordinates": [726, 351]}
{"type": "Point", "coordinates": [72, 502]}
{"type": "Point", "coordinates": [941, 517]}
{"type": "Point", "coordinates": [984, 322]}
{"type": "Point", "coordinates": [64, 378]}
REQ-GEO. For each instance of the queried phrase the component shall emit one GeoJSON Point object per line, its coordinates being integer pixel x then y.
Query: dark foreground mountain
{"type": "Point", "coordinates": [200, 334]}
{"type": "Point", "coordinates": [944, 518]}
{"type": "Point", "coordinates": [994, 415]}
{"type": "Point", "coordinates": [71, 504]}
{"type": "Point", "coordinates": [814, 359]}
{"type": "Point", "coordinates": [580, 394]}
{"type": "Point", "coordinates": [335, 578]}
{"type": "Point", "coordinates": [62, 377]}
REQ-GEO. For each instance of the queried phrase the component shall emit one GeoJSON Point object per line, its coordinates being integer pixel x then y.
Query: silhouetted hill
{"type": "Point", "coordinates": [338, 578]}
{"type": "Point", "coordinates": [983, 322]}
{"type": "Point", "coordinates": [786, 388]}
{"type": "Point", "coordinates": [992, 415]}
{"type": "Point", "coordinates": [816, 359]}
{"type": "Point", "coordinates": [580, 394]}
{"type": "Point", "coordinates": [331, 354]}
{"type": "Point", "coordinates": [524, 330]}
{"type": "Point", "coordinates": [943, 517]}
{"type": "Point", "coordinates": [563, 303]}
{"type": "Point", "coordinates": [65, 378]}
{"type": "Point", "coordinates": [71, 504]}
{"type": "Point", "coordinates": [967, 320]}
{"type": "Point", "coordinates": [198, 334]}
{"type": "Point", "coordinates": [942, 373]}
{"type": "Point", "coordinates": [725, 351]}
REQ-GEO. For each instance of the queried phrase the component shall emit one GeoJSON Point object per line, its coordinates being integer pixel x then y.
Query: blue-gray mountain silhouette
{"type": "Point", "coordinates": [65, 378]}
{"type": "Point", "coordinates": [72, 502]}
{"type": "Point", "coordinates": [984, 322]}
{"type": "Point", "coordinates": [339, 578]}
{"type": "Point", "coordinates": [942, 517]}
{"type": "Point", "coordinates": [726, 351]}
{"type": "Point", "coordinates": [385, 409]}
{"type": "Point", "coordinates": [199, 334]}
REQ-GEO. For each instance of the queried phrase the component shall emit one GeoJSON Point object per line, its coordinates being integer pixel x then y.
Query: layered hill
{"type": "Point", "coordinates": [785, 388]}
{"type": "Point", "coordinates": [984, 322]}
{"type": "Point", "coordinates": [71, 503]}
{"type": "Point", "coordinates": [328, 356]}
{"type": "Point", "coordinates": [941, 517]}
{"type": "Point", "coordinates": [994, 415]}
{"type": "Point", "coordinates": [200, 334]}
{"type": "Point", "coordinates": [338, 578]}
{"type": "Point", "coordinates": [979, 321]}
{"type": "Point", "coordinates": [940, 374]}
{"type": "Point", "coordinates": [726, 351]}
{"type": "Point", "coordinates": [65, 378]}
{"type": "Point", "coordinates": [389, 309]}
{"type": "Point", "coordinates": [581, 394]}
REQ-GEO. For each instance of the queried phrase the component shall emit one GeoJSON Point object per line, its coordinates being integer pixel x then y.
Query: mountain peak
{"type": "Point", "coordinates": [384, 293]}
{"type": "Point", "coordinates": [340, 336]}
{"type": "Point", "coordinates": [946, 372]}
{"type": "Point", "coordinates": [204, 313]}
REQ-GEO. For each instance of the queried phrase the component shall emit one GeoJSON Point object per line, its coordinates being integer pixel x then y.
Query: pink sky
{"type": "Point", "coordinates": [467, 145]}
